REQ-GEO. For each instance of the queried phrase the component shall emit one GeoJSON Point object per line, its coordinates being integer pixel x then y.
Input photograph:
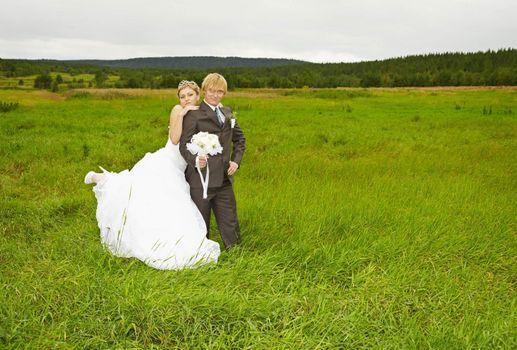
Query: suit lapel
{"type": "Point", "coordinates": [227, 116]}
{"type": "Point", "coordinates": [226, 112]}
{"type": "Point", "coordinates": [209, 112]}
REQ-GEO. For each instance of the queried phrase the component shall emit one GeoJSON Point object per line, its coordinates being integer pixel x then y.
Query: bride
{"type": "Point", "coordinates": [147, 212]}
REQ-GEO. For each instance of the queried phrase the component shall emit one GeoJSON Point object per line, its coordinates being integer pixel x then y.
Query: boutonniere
{"type": "Point", "coordinates": [233, 118]}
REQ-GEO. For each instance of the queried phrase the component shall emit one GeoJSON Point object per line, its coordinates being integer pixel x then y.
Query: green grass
{"type": "Point", "coordinates": [13, 82]}
{"type": "Point", "coordinates": [28, 81]}
{"type": "Point", "coordinates": [370, 219]}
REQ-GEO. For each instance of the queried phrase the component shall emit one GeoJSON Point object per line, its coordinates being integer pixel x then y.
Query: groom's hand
{"type": "Point", "coordinates": [201, 161]}
{"type": "Point", "coordinates": [232, 168]}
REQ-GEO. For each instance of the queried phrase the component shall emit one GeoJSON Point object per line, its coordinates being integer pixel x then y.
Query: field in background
{"type": "Point", "coordinates": [371, 218]}
{"type": "Point", "coordinates": [69, 80]}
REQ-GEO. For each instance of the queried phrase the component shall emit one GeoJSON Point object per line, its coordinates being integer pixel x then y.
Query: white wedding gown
{"type": "Point", "coordinates": [147, 213]}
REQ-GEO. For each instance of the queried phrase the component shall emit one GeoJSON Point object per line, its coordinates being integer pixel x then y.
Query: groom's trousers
{"type": "Point", "coordinates": [222, 201]}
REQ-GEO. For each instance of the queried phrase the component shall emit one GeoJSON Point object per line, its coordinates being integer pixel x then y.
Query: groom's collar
{"type": "Point", "coordinates": [209, 105]}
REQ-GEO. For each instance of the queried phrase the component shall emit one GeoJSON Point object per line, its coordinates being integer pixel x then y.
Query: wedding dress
{"type": "Point", "coordinates": [147, 213]}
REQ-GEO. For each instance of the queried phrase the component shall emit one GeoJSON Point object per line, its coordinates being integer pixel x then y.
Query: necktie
{"type": "Point", "coordinates": [220, 116]}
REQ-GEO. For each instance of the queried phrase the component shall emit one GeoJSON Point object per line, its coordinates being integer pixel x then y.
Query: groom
{"type": "Point", "coordinates": [215, 120]}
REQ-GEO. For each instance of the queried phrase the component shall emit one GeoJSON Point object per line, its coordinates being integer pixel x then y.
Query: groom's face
{"type": "Point", "coordinates": [213, 97]}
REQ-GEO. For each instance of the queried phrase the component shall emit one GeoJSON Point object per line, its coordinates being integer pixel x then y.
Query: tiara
{"type": "Point", "coordinates": [184, 83]}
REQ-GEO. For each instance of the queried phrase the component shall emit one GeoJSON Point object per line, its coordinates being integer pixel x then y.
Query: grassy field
{"type": "Point", "coordinates": [380, 219]}
{"type": "Point", "coordinates": [28, 81]}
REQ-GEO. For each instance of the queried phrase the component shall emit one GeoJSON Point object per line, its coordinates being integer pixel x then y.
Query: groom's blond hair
{"type": "Point", "coordinates": [214, 81]}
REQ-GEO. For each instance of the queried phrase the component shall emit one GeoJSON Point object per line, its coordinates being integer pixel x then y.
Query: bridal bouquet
{"type": "Point", "coordinates": [202, 144]}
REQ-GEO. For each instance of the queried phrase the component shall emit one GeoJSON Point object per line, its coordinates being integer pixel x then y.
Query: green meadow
{"type": "Point", "coordinates": [371, 218]}
{"type": "Point", "coordinates": [27, 82]}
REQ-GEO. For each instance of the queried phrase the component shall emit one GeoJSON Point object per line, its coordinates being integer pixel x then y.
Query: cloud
{"type": "Point", "coordinates": [319, 31]}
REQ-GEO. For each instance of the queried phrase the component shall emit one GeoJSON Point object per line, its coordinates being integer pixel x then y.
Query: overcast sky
{"type": "Point", "coordinates": [312, 30]}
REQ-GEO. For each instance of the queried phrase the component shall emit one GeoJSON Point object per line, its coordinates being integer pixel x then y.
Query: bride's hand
{"type": "Point", "coordinates": [187, 109]}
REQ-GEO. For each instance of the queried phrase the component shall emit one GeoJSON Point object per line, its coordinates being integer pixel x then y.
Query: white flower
{"type": "Point", "coordinates": [204, 143]}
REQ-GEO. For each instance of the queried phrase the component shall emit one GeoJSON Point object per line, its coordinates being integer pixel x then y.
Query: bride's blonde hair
{"type": "Point", "coordinates": [188, 83]}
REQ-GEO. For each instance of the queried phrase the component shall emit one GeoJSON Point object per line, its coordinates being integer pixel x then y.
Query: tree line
{"type": "Point", "coordinates": [192, 62]}
{"type": "Point", "coordinates": [441, 69]}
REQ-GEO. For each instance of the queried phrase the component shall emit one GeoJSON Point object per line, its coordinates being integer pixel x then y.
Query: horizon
{"type": "Point", "coordinates": [266, 58]}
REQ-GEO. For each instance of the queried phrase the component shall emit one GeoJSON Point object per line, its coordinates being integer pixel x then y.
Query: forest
{"type": "Point", "coordinates": [488, 68]}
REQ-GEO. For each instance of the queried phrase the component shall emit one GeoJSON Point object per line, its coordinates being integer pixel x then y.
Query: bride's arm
{"type": "Point", "coordinates": [176, 121]}
{"type": "Point", "coordinates": [175, 124]}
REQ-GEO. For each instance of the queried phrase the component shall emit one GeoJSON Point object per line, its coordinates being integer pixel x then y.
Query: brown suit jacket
{"type": "Point", "coordinates": [205, 119]}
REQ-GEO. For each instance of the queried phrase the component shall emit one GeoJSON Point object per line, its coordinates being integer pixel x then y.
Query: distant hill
{"type": "Point", "coordinates": [202, 62]}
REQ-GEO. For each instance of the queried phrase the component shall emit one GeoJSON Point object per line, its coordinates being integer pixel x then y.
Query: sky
{"type": "Point", "coordinates": [316, 30]}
